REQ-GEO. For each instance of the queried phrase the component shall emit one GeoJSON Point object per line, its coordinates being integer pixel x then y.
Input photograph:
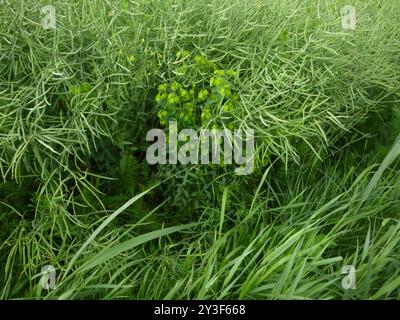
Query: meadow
{"type": "Point", "coordinates": [78, 97]}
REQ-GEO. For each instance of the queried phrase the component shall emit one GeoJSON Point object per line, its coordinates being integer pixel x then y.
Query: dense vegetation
{"type": "Point", "coordinates": [77, 193]}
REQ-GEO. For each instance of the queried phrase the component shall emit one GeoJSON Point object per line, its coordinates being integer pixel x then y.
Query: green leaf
{"type": "Point", "coordinates": [110, 252]}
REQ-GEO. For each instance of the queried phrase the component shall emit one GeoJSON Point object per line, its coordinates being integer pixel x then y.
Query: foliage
{"type": "Point", "coordinates": [76, 191]}
{"type": "Point", "coordinates": [200, 96]}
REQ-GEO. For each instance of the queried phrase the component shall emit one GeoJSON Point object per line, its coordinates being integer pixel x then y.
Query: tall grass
{"type": "Point", "coordinates": [77, 193]}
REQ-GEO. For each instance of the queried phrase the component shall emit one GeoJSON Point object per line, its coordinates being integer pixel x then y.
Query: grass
{"type": "Point", "coordinates": [77, 193]}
